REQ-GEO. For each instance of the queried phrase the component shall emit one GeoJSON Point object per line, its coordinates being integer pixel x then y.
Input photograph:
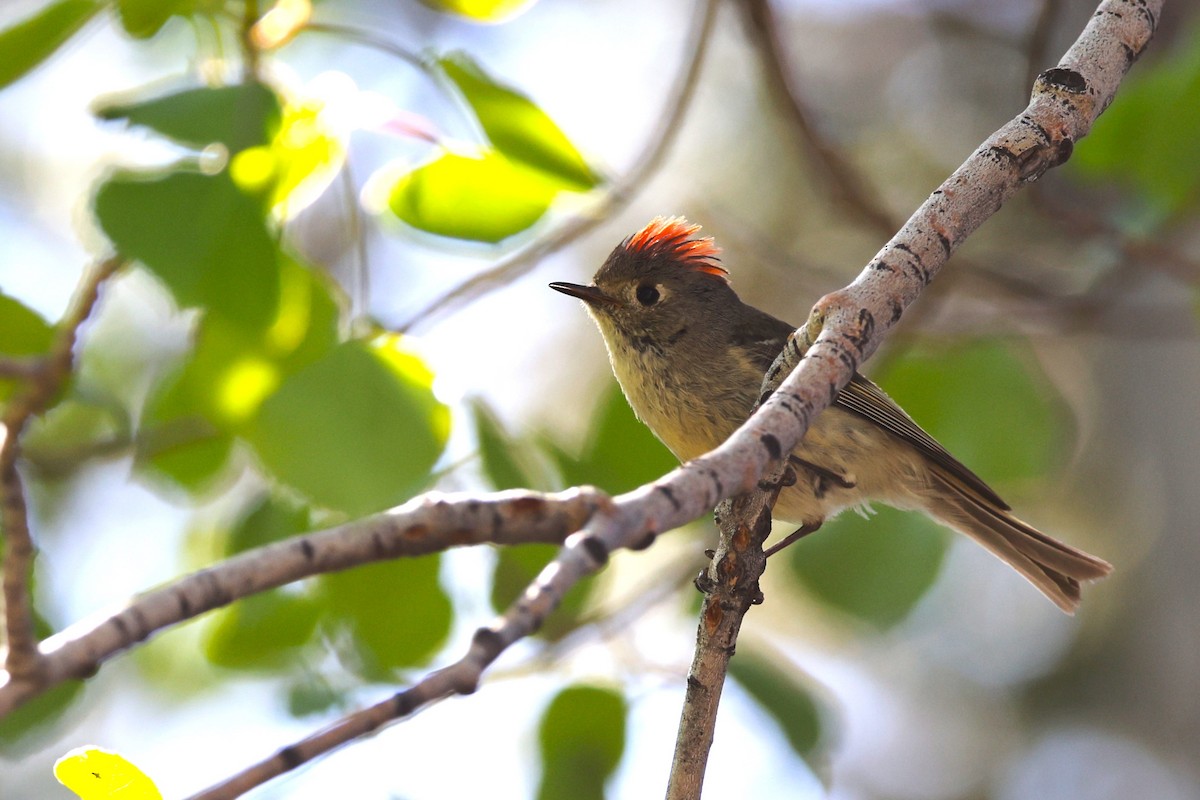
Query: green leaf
{"type": "Point", "coordinates": [261, 632]}
{"type": "Point", "coordinates": [484, 199]}
{"type": "Point", "coordinates": [788, 700]}
{"type": "Point", "coordinates": [201, 236]}
{"type": "Point", "coordinates": [481, 10]}
{"type": "Point", "coordinates": [197, 463]}
{"type": "Point", "coordinates": [515, 569]}
{"type": "Point", "coordinates": [270, 519]}
{"type": "Point", "coordinates": [32, 41]}
{"type": "Point", "coordinates": [396, 613]}
{"type": "Point", "coordinates": [516, 126]}
{"type": "Point", "coordinates": [27, 728]}
{"type": "Point", "coordinates": [188, 427]}
{"type": "Point", "coordinates": [238, 116]}
{"type": "Point", "coordinates": [620, 452]}
{"type": "Point", "coordinates": [506, 462]}
{"type": "Point", "coordinates": [22, 333]}
{"type": "Point", "coordinates": [357, 431]}
{"type": "Point", "coordinates": [973, 396]}
{"type": "Point", "coordinates": [582, 739]}
{"type": "Point", "coordinates": [1138, 141]}
{"type": "Point", "coordinates": [144, 18]}
{"type": "Point", "coordinates": [875, 569]}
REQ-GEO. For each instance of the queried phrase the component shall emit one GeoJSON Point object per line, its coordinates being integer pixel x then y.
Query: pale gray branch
{"type": "Point", "coordinates": [430, 523]}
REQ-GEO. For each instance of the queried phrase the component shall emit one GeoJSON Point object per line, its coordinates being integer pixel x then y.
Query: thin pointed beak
{"type": "Point", "coordinates": [588, 294]}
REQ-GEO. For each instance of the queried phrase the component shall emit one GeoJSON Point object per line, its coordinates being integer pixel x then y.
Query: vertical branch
{"type": "Point", "coordinates": [730, 587]}
{"type": "Point", "coordinates": [46, 378]}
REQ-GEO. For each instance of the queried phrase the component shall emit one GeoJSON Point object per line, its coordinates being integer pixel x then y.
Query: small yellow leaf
{"type": "Point", "coordinates": [97, 774]}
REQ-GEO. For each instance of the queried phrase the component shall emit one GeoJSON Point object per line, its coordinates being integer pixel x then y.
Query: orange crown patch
{"type": "Point", "coordinates": [673, 237]}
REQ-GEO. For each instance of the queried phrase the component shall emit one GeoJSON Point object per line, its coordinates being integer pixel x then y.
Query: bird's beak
{"type": "Point", "coordinates": [591, 295]}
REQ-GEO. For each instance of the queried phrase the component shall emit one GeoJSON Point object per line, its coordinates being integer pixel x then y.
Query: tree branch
{"type": "Point", "coordinates": [431, 523]}
{"type": "Point", "coordinates": [42, 382]}
{"type": "Point", "coordinates": [847, 326]}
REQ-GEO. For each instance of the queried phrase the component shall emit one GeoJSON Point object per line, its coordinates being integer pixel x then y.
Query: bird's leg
{"type": "Point", "coordinates": [799, 533]}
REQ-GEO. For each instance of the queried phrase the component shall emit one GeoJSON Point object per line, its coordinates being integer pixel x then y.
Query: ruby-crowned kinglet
{"type": "Point", "coordinates": [690, 357]}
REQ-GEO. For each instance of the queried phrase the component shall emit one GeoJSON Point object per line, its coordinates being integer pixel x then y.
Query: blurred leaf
{"type": "Point", "coordinates": [582, 739]}
{"type": "Point", "coordinates": [269, 519]}
{"type": "Point", "coordinates": [22, 730]}
{"type": "Point", "coordinates": [973, 397]}
{"type": "Point", "coordinates": [261, 632]}
{"type": "Point", "coordinates": [485, 199]}
{"type": "Point", "coordinates": [195, 463]}
{"type": "Point", "coordinates": [22, 333]}
{"type": "Point", "coordinates": [482, 10]}
{"type": "Point", "coordinates": [31, 41]}
{"type": "Point", "coordinates": [515, 569]}
{"type": "Point", "coordinates": [76, 425]}
{"type": "Point", "coordinates": [516, 127]}
{"type": "Point", "coordinates": [396, 612]}
{"type": "Point", "coordinates": [357, 431]}
{"type": "Point", "coordinates": [144, 18]}
{"type": "Point", "coordinates": [238, 116]}
{"type": "Point", "coordinates": [1140, 140]}
{"type": "Point", "coordinates": [506, 462]}
{"type": "Point", "coordinates": [97, 774]}
{"type": "Point", "coordinates": [298, 163]}
{"type": "Point", "coordinates": [25, 729]}
{"type": "Point", "coordinates": [620, 453]}
{"type": "Point", "coordinates": [311, 695]}
{"type": "Point", "coordinates": [199, 234]}
{"type": "Point", "coordinates": [874, 569]}
{"type": "Point", "coordinates": [189, 422]}
{"type": "Point", "coordinates": [787, 699]}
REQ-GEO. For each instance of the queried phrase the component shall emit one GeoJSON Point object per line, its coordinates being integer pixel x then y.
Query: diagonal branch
{"type": "Point", "coordinates": [431, 523]}
{"type": "Point", "coordinates": [847, 326]}
{"type": "Point", "coordinates": [844, 329]}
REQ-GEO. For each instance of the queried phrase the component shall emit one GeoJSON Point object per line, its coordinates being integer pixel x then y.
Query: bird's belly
{"type": "Point", "coordinates": [867, 464]}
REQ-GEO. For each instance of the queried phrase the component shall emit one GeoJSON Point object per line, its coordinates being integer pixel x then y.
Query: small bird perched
{"type": "Point", "coordinates": [690, 357]}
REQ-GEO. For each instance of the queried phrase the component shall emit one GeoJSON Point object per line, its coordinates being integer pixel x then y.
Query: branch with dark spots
{"type": "Point", "coordinates": [1067, 79]}
{"type": "Point", "coordinates": [503, 518]}
{"type": "Point", "coordinates": [596, 549]}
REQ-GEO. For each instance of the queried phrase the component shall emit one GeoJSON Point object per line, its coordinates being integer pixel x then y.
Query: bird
{"type": "Point", "coordinates": [690, 358]}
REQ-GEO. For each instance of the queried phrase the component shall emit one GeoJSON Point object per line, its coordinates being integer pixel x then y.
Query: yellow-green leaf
{"type": "Point", "coordinates": [97, 774]}
{"type": "Point", "coordinates": [516, 126]}
{"type": "Point", "coordinates": [484, 198]}
{"type": "Point", "coordinates": [482, 10]}
{"type": "Point", "coordinates": [357, 430]}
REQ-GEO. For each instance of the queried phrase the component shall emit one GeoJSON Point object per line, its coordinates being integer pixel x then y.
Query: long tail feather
{"type": "Point", "coordinates": [1053, 567]}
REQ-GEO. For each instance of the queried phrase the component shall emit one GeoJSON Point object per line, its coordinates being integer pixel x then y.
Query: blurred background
{"type": "Point", "coordinates": [1056, 356]}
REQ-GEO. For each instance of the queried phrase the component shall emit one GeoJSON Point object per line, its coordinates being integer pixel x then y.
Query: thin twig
{"type": "Point", "coordinates": [616, 197]}
{"type": "Point", "coordinates": [842, 179]}
{"type": "Point", "coordinates": [1038, 40]}
{"type": "Point", "coordinates": [23, 658]}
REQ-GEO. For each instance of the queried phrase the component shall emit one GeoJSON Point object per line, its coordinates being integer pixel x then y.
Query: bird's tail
{"type": "Point", "coordinates": [1053, 567]}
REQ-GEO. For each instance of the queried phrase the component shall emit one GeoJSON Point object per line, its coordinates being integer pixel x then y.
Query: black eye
{"type": "Point", "coordinates": [647, 295]}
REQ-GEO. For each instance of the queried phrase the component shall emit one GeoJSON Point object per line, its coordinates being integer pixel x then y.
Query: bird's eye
{"type": "Point", "coordinates": [647, 294]}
